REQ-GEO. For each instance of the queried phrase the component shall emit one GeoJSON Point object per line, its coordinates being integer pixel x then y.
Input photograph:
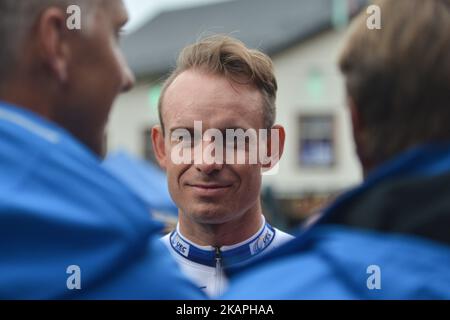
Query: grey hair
{"type": "Point", "coordinates": [16, 21]}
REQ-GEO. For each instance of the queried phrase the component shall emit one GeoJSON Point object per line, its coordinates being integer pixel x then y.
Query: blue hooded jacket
{"type": "Point", "coordinates": [59, 208]}
{"type": "Point", "coordinates": [387, 239]}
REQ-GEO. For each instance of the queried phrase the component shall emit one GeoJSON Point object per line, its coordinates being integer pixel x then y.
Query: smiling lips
{"type": "Point", "coordinates": [209, 189]}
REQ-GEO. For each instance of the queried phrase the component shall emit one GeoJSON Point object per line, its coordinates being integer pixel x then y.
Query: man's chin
{"type": "Point", "coordinates": [211, 216]}
{"type": "Point", "coordinates": [98, 146]}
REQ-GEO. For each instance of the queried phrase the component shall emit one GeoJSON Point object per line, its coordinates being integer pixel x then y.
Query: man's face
{"type": "Point", "coordinates": [97, 73]}
{"type": "Point", "coordinates": [211, 193]}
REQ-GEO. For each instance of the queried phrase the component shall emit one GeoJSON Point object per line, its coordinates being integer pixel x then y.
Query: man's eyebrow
{"type": "Point", "coordinates": [122, 17]}
{"type": "Point", "coordinates": [223, 130]}
{"type": "Point", "coordinates": [123, 20]}
{"type": "Point", "coordinates": [234, 128]}
{"type": "Point", "coordinates": [190, 129]}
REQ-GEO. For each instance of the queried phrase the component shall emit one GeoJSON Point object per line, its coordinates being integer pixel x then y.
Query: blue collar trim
{"type": "Point", "coordinates": [229, 257]}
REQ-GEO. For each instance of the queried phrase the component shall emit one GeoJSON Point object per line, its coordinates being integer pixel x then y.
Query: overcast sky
{"type": "Point", "coordinates": [141, 10]}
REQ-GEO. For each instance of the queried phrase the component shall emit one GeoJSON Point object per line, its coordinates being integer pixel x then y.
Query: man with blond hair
{"type": "Point", "coordinates": [217, 114]}
{"type": "Point", "coordinates": [388, 238]}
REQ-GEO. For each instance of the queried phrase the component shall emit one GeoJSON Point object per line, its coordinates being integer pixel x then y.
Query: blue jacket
{"type": "Point", "coordinates": [60, 208]}
{"type": "Point", "coordinates": [387, 239]}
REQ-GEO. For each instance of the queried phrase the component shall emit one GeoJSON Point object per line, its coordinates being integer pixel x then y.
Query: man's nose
{"type": "Point", "coordinates": [209, 168]}
{"type": "Point", "coordinates": [209, 163]}
{"type": "Point", "coordinates": [128, 79]}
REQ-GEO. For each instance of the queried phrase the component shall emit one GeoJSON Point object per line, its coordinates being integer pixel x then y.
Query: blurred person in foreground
{"type": "Point", "coordinates": [388, 238]}
{"type": "Point", "coordinates": [220, 89]}
{"type": "Point", "coordinates": [68, 229]}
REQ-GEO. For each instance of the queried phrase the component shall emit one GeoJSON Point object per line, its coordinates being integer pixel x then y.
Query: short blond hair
{"type": "Point", "coordinates": [399, 76]}
{"type": "Point", "coordinates": [229, 57]}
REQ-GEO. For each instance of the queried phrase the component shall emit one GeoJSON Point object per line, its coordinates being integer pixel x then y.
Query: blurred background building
{"type": "Point", "coordinates": [303, 37]}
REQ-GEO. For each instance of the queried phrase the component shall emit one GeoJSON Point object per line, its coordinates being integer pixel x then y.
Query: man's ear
{"type": "Point", "coordinates": [275, 147]}
{"type": "Point", "coordinates": [159, 146]}
{"type": "Point", "coordinates": [52, 37]}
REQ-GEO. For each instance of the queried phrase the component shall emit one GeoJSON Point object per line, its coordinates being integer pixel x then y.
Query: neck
{"type": "Point", "coordinates": [223, 234]}
{"type": "Point", "coordinates": [367, 168]}
{"type": "Point", "coordinates": [24, 96]}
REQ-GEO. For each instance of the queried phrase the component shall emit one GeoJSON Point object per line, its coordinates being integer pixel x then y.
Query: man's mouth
{"type": "Point", "coordinates": [209, 189]}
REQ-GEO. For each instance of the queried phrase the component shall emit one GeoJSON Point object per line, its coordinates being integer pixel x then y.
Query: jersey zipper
{"type": "Point", "coordinates": [218, 271]}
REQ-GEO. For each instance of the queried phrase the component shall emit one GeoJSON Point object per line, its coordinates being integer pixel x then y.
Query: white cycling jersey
{"type": "Point", "coordinates": [204, 264]}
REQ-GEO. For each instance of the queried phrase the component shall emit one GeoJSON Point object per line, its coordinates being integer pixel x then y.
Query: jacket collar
{"type": "Point", "coordinates": [408, 195]}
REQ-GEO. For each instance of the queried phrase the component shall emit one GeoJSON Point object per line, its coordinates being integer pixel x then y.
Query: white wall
{"type": "Point", "coordinates": [132, 113]}
{"type": "Point", "coordinates": [292, 68]}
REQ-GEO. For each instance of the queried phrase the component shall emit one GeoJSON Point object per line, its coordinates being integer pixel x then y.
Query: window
{"type": "Point", "coordinates": [317, 141]}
